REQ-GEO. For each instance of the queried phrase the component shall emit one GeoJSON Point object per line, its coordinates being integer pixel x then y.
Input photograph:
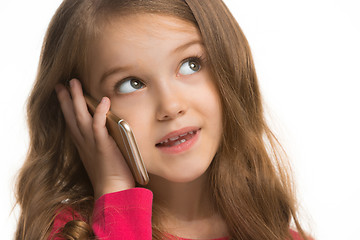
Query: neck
{"type": "Point", "coordinates": [183, 201]}
{"type": "Point", "coordinates": [187, 209]}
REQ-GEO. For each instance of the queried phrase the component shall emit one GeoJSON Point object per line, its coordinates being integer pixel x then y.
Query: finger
{"type": "Point", "coordinates": [101, 134]}
{"type": "Point", "coordinates": [82, 115]}
{"type": "Point", "coordinates": [68, 111]}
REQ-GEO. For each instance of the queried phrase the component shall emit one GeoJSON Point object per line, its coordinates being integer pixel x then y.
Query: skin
{"type": "Point", "coordinates": [172, 96]}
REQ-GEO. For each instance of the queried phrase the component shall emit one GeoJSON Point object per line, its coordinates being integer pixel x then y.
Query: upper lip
{"type": "Point", "coordinates": [178, 133]}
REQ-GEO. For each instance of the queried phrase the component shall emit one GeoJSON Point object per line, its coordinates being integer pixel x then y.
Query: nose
{"type": "Point", "coordinates": [171, 105]}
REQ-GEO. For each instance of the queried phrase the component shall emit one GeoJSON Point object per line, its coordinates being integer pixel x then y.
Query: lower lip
{"type": "Point", "coordinates": [182, 147]}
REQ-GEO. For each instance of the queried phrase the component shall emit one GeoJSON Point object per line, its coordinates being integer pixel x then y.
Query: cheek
{"type": "Point", "coordinates": [213, 111]}
{"type": "Point", "coordinates": [214, 119]}
{"type": "Point", "coordinates": [137, 115]}
{"type": "Point", "coordinates": [209, 104]}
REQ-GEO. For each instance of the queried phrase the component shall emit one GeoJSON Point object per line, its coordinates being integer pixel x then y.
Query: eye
{"type": "Point", "coordinates": [129, 85]}
{"type": "Point", "coordinates": [190, 66]}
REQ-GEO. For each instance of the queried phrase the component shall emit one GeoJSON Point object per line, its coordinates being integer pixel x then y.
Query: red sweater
{"type": "Point", "coordinates": [120, 215]}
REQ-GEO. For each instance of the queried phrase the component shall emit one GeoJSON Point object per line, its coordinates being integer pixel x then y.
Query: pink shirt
{"type": "Point", "coordinates": [120, 215]}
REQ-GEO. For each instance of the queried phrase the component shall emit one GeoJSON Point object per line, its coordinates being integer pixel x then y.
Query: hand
{"type": "Point", "coordinates": [101, 157]}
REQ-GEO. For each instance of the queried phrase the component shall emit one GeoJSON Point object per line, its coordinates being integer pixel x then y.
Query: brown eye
{"type": "Point", "coordinates": [136, 84]}
{"type": "Point", "coordinates": [194, 66]}
{"type": "Point", "coordinates": [129, 85]}
{"type": "Point", "coordinates": [190, 66]}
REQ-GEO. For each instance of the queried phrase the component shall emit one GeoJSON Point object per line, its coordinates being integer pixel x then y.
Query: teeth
{"type": "Point", "coordinates": [174, 138]}
{"type": "Point", "coordinates": [179, 142]}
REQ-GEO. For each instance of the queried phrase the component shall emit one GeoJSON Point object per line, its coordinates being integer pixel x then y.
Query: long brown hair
{"type": "Point", "coordinates": [249, 176]}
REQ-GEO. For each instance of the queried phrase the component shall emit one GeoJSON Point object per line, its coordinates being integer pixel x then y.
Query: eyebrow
{"type": "Point", "coordinates": [117, 69]}
{"type": "Point", "coordinates": [112, 71]}
{"type": "Point", "coordinates": [187, 45]}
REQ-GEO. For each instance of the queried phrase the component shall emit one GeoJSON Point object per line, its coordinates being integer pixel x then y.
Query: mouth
{"type": "Point", "coordinates": [178, 137]}
{"type": "Point", "coordinates": [174, 141]}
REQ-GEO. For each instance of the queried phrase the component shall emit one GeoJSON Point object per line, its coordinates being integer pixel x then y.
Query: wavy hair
{"type": "Point", "coordinates": [249, 176]}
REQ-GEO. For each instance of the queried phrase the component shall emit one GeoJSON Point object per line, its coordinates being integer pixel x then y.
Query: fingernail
{"type": "Point", "coordinates": [104, 100]}
{"type": "Point", "coordinates": [71, 83]}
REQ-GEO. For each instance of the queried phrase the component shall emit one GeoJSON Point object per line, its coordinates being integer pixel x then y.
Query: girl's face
{"type": "Point", "coordinates": [154, 70]}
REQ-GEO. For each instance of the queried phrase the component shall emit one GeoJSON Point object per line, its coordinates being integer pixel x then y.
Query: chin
{"type": "Point", "coordinates": [180, 175]}
{"type": "Point", "coordinates": [182, 178]}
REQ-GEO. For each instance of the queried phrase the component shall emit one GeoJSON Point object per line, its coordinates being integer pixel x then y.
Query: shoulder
{"type": "Point", "coordinates": [63, 215]}
{"type": "Point", "coordinates": [296, 236]}
{"type": "Point", "coordinates": [67, 213]}
{"type": "Point", "coordinates": [112, 209]}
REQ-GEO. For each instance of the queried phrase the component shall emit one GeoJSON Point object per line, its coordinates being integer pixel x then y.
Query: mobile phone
{"type": "Point", "coordinates": [121, 132]}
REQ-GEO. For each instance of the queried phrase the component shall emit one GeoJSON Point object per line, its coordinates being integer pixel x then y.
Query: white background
{"type": "Point", "coordinates": [307, 55]}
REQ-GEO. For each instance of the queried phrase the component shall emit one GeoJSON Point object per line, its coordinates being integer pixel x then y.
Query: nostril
{"type": "Point", "coordinates": [171, 113]}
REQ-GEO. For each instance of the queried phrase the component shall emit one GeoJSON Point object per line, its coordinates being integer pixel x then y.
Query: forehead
{"type": "Point", "coordinates": [150, 23]}
{"type": "Point", "coordinates": [130, 39]}
{"type": "Point", "coordinates": [144, 29]}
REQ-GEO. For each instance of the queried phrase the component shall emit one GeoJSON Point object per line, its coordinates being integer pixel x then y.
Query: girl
{"type": "Point", "coordinates": [181, 74]}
